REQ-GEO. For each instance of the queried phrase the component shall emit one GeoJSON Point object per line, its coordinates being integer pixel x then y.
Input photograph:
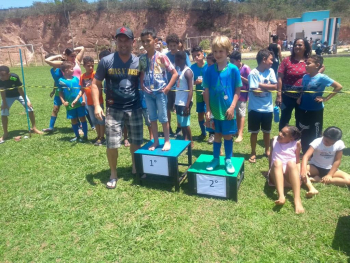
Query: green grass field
{"type": "Point", "coordinates": [55, 206]}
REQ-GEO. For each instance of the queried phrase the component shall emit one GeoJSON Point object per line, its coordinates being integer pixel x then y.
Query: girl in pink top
{"type": "Point", "coordinates": [284, 166]}
{"type": "Point", "coordinates": [73, 55]}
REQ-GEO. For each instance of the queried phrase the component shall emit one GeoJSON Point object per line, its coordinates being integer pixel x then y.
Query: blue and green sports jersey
{"type": "Point", "coordinates": [221, 85]}
{"type": "Point", "coordinates": [56, 75]}
{"type": "Point", "coordinates": [197, 71]}
{"type": "Point", "coordinates": [70, 89]}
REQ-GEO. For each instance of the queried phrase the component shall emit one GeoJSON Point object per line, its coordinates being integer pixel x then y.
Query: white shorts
{"type": "Point", "coordinates": [241, 108]}
{"type": "Point", "coordinates": [10, 101]}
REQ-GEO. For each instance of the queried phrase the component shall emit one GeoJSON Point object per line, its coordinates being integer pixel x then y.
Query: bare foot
{"type": "Point", "coordinates": [153, 146]}
{"type": "Point", "coordinates": [267, 153]}
{"type": "Point", "coordinates": [35, 130]}
{"type": "Point", "coordinates": [166, 146]}
{"type": "Point", "coordinates": [299, 209]}
{"type": "Point", "coordinates": [311, 193]}
{"type": "Point", "coordinates": [280, 201]}
{"type": "Point", "coordinates": [239, 139]}
{"type": "Point", "coordinates": [17, 138]}
{"type": "Point", "coordinates": [315, 179]}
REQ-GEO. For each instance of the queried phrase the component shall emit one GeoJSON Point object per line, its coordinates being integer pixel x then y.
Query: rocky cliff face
{"type": "Point", "coordinates": [94, 30]}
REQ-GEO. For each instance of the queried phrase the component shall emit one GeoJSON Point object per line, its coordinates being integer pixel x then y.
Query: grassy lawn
{"type": "Point", "coordinates": [55, 207]}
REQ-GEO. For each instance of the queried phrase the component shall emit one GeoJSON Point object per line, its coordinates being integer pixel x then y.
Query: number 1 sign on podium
{"type": "Point", "coordinates": [162, 166]}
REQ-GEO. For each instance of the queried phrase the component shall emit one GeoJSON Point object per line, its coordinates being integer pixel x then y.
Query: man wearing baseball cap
{"type": "Point", "coordinates": [121, 74]}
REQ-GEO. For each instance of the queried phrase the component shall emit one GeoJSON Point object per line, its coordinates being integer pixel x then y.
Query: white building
{"type": "Point", "coordinates": [316, 25]}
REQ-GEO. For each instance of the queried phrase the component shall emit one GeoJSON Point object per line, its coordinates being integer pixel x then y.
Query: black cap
{"type": "Point", "coordinates": [124, 31]}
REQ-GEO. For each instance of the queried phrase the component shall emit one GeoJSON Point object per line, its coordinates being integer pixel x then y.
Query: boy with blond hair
{"type": "Point", "coordinates": [222, 83]}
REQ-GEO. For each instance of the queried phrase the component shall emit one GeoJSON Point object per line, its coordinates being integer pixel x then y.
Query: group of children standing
{"type": "Point", "coordinates": [223, 90]}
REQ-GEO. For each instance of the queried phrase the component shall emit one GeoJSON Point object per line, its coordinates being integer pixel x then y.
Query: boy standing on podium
{"type": "Point", "coordinates": [222, 83]}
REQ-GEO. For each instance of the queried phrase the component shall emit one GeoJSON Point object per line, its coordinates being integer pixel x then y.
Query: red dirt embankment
{"type": "Point", "coordinates": [50, 33]}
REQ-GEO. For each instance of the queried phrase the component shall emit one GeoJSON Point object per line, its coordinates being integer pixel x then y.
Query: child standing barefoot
{"type": "Point", "coordinates": [284, 170]}
{"type": "Point", "coordinates": [326, 153]}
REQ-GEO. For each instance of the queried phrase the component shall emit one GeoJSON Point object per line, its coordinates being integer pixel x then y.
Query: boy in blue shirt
{"type": "Point", "coordinates": [260, 108]}
{"type": "Point", "coordinates": [69, 89]}
{"type": "Point", "coordinates": [222, 83]}
{"type": "Point", "coordinates": [311, 104]}
{"type": "Point", "coordinates": [56, 75]}
{"type": "Point", "coordinates": [199, 69]}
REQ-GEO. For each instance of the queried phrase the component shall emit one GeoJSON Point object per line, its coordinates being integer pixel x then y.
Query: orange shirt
{"type": "Point", "coordinates": [86, 82]}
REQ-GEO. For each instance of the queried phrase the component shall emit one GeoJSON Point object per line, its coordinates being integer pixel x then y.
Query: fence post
{"type": "Point", "coordinates": [34, 57]}
{"type": "Point", "coordinates": [42, 59]}
{"type": "Point", "coordinates": [8, 52]}
{"type": "Point", "coordinates": [25, 57]}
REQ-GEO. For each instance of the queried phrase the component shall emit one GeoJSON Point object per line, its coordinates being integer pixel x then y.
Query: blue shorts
{"type": "Point", "coordinates": [76, 113]}
{"type": "Point", "coordinates": [57, 101]}
{"type": "Point", "coordinates": [184, 121]}
{"type": "Point", "coordinates": [201, 107]}
{"type": "Point", "coordinates": [225, 127]}
{"type": "Point", "coordinates": [157, 106]}
{"type": "Point", "coordinates": [95, 121]}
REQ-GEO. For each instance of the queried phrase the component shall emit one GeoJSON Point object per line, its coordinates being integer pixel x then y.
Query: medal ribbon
{"type": "Point", "coordinates": [151, 76]}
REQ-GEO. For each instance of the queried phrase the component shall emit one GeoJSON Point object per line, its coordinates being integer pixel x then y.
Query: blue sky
{"type": "Point", "coordinates": [20, 3]}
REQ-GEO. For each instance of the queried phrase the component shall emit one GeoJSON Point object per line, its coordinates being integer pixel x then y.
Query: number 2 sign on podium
{"type": "Point", "coordinates": [211, 185]}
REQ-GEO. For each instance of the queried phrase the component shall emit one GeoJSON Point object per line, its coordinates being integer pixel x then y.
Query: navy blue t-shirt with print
{"type": "Point", "coordinates": [11, 85]}
{"type": "Point", "coordinates": [121, 80]}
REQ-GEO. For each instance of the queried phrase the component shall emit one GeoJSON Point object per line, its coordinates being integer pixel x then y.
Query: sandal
{"type": "Point", "coordinates": [112, 183]}
{"type": "Point", "coordinates": [252, 159]}
{"type": "Point", "coordinates": [126, 143]}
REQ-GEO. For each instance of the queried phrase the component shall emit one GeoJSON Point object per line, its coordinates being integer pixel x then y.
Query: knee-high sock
{"type": "Point", "coordinates": [201, 125]}
{"type": "Point", "coordinates": [76, 129]}
{"type": "Point", "coordinates": [228, 144]}
{"type": "Point", "coordinates": [85, 128]}
{"type": "Point", "coordinates": [216, 149]}
{"type": "Point", "coordinates": [52, 122]}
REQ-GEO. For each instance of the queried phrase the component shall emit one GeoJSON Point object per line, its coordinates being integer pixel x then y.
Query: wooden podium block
{"type": "Point", "coordinates": [162, 166]}
{"type": "Point", "coordinates": [216, 183]}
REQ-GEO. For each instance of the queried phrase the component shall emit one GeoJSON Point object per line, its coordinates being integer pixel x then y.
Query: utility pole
{"type": "Point", "coordinates": [70, 30]}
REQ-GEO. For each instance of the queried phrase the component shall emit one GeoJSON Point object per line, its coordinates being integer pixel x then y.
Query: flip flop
{"type": "Point", "coordinates": [252, 160]}
{"type": "Point", "coordinates": [126, 143]}
{"type": "Point", "coordinates": [112, 183]}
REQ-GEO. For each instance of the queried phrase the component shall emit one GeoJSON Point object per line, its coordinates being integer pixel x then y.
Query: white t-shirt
{"type": "Point", "coordinates": [262, 101]}
{"type": "Point", "coordinates": [181, 84]}
{"type": "Point", "coordinates": [323, 156]}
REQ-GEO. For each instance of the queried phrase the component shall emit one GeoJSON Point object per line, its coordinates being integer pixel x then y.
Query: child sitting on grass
{"type": "Point", "coordinates": [222, 83]}
{"type": "Point", "coordinates": [153, 77]}
{"type": "Point", "coordinates": [69, 90]}
{"type": "Point", "coordinates": [326, 153]}
{"type": "Point", "coordinates": [284, 169]}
